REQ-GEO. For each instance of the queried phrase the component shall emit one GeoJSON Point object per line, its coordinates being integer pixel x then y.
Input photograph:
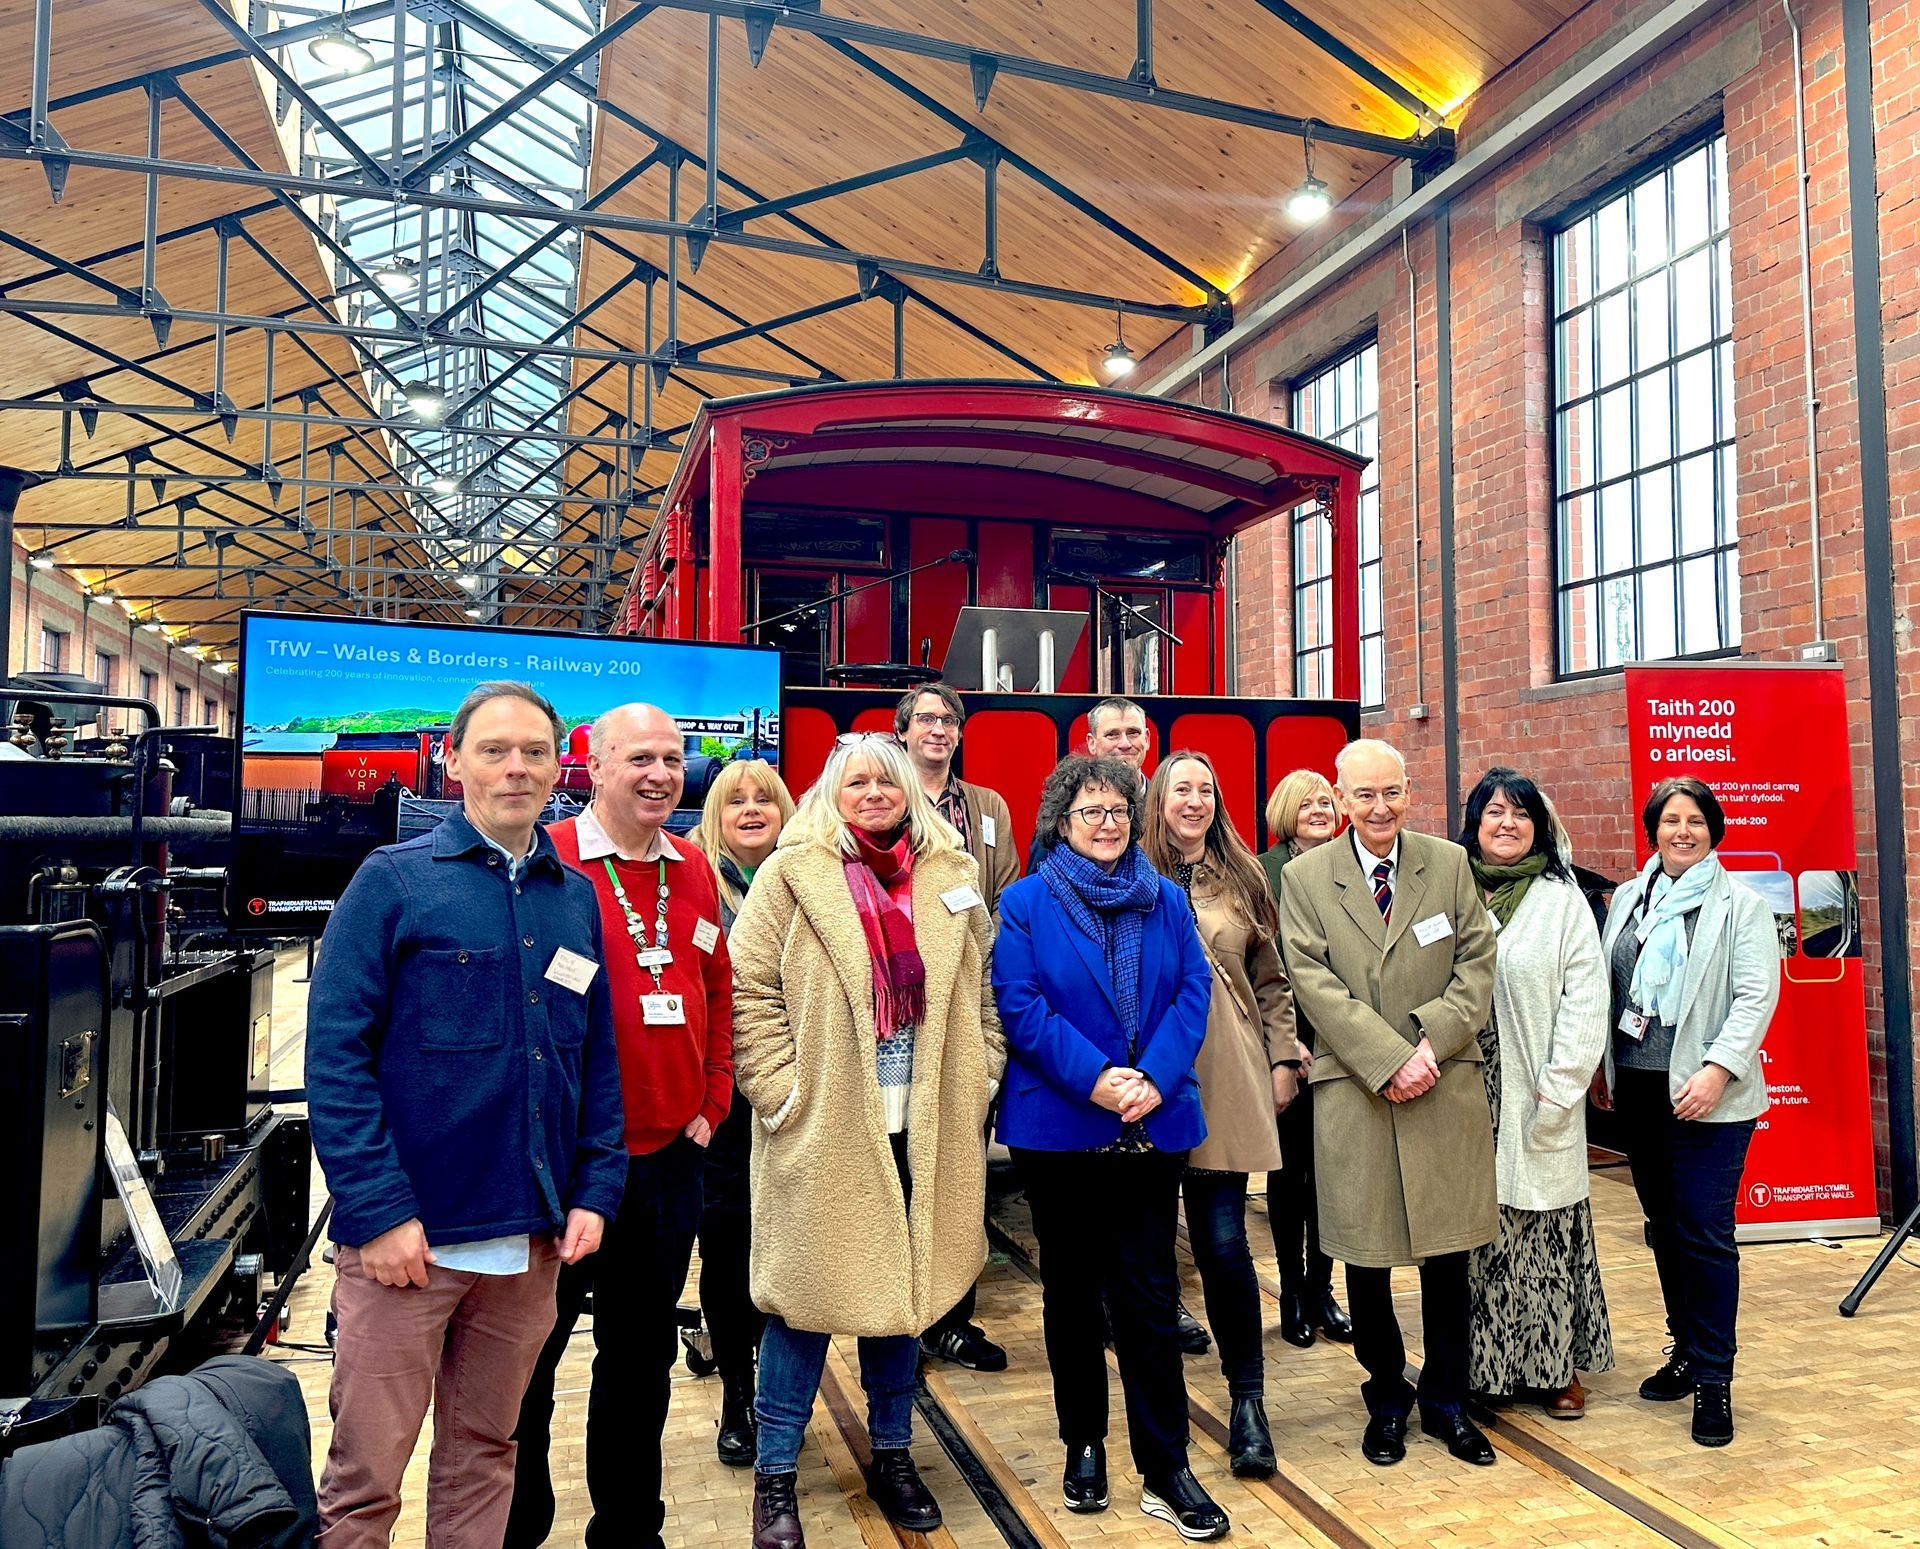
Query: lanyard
{"type": "Point", "coordinates": [637, 927]}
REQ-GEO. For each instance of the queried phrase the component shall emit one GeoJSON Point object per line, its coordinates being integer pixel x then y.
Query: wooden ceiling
{"type": "Point", "coordinates": [97, 43]}
{"type": "Point", "coordinates": [1206, 194]}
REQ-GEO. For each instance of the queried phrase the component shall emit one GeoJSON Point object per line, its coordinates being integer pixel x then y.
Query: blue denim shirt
{"type": "Point", "coordinates": [448, 1078]}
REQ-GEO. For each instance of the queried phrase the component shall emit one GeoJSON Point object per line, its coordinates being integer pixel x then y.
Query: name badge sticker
{"type": "Point", "coordinates": [990, 833]}
{"type": "Point", "coordinates": [653, 957]}
{"type": "Point", "coordinates": [663, 1010]}
{"type": "Point", "coordinates": [1435, 927]}
{"type": "Point", "coordinates": [962, 897]}
{"type": "Point", "coordinates": [572, 970]}
{"type": "Point", "coordinates": [1633, 1024]}
{"type": "Point", "coordinates": [705, 934]}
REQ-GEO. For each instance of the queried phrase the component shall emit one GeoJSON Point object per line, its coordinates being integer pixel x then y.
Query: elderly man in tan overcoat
{"type": "Point", "coordinates": [1391, 954]}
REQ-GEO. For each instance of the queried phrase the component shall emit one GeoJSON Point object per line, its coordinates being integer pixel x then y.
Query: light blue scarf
{"type": "Point", "coordinates": [1660, 974]}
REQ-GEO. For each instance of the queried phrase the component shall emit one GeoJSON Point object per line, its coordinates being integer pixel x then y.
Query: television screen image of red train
{"type": "Point", "coordinates": [344, 724]}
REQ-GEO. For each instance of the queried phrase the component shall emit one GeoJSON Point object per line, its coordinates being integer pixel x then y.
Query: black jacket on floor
{"type": "Point", "coordinates": [217, 1458]}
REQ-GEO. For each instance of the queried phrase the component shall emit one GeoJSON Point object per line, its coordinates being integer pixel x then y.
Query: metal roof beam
{"type": "Point", "coordinates": [1342, 53]}
{"type": "Point", "coordinates": [782, 13]}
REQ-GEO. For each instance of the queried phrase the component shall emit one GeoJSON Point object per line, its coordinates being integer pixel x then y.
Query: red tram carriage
{"type": "Point", "coordinates": [952, 494]}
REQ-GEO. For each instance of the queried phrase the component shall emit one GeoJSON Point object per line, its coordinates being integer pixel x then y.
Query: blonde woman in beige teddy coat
{"type": "Point", "coordinates": [865, 1039]}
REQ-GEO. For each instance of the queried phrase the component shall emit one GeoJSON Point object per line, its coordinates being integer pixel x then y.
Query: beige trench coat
{"type": "Point", "coordinates": [1398, 1182]}
{"type": "Point", "coordinates": [835, 1249]}
{"type": "Point", "coordinates": [1249, 1031]}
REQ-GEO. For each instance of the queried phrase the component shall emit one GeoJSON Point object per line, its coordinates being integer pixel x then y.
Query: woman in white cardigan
{"type": "Point", "coordinates": [1539, 1313]}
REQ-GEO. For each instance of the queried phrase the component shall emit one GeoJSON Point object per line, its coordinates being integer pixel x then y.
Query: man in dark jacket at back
{"type": "Point", "coordinates": [466, 1110]}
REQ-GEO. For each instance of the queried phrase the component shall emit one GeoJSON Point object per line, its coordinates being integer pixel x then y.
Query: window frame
{"type": "Point", "coordinates": [1719, 453]}
{"type": "Point", "coordinates": [1338, 360]}
{"type": "Point", "coordinates": [59, 640]}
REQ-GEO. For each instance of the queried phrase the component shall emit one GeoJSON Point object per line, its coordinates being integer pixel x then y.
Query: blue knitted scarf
{"type": "Point", "coordinates": [1112, 908]}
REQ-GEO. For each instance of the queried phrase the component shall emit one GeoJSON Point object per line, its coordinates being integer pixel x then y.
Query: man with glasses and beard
{"type": "Point", "coordinates": [928, 721]}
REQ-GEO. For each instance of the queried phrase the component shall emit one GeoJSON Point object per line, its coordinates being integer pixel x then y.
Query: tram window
{"type": "Point", "coordinates": [1646, 542]}
{"type": "Point", "coordinates": [806, 640]}
{"type": "Point", "coordinates": [1339, 403]}
{"type": "Point", "coordinates": [1134, 556]}
{"type": "Point", "coordinates": [1145, 648]}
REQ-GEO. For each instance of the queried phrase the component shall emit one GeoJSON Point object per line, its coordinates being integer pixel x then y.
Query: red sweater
{"type": "Point", "coordinates": [668, 1074]}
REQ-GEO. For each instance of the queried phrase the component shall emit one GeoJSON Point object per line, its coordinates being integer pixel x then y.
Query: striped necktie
{"type": "Point", "coordinates": [1383, 889]}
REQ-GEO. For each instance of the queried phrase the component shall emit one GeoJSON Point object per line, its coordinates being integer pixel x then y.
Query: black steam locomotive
{"type": "Point", "coordinates": [156, 1202]}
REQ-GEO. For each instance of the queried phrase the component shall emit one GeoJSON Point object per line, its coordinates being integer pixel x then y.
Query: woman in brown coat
{"type": "Point", "coordinates": [865, 1039]}
{"type": "Point", "coordinates": [1248, 1071]}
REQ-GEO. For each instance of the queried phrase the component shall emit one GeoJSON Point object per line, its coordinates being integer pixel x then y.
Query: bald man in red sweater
{"type": "Point", "coordinates": [672, 992]}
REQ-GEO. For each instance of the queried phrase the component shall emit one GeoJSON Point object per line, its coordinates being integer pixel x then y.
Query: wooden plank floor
{"type": "Point", "coordinates": [1828, 1452]}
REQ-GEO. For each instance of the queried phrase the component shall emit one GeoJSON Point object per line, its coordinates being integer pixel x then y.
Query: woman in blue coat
{"type": "Point", "coordinates": [1103, 991]}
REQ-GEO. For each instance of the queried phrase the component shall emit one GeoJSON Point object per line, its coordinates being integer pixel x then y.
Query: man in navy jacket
{"type": "Point", "coordinates": [466, 1110]}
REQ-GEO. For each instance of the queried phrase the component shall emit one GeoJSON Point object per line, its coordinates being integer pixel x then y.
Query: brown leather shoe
{"type": "Point", "coordinates": [1570, 1403]}
{"type": "Point", "coordinates": [776, 1512]}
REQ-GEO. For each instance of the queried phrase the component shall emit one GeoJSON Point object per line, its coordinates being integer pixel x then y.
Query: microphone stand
{"type": "Point", "coordinates": [821, 607]}
{"type": "Point", "coordinates": [1117, 609]}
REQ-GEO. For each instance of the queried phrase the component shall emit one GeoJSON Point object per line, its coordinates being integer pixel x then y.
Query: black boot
{"type": "Point", "coordinates": [1083, 1483]}
{"type": "Point", "coordinates": [895, 1486]}
{"type": "Point", "coordinates": [1674, 1381]}
{"type": "Point", "coordinates": [1296, 1323]}
{"type": "Point", "coordinates": [739, 1436]}
{"type": "Point", "coordinates": [1249, 1442]}
{"type": "Point", "coordinates": [1178, 1498]}
{"type": "Point", "coordinates": [1191, 1333]}
{"type": "Point", "coordinates": [1712, 1413]}
{"type": "Point", "coordinates": [1330, 1317]}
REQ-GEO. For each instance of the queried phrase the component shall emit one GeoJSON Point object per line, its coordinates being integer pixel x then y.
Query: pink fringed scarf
{"type": "Point", "coordinates": [878, 878]}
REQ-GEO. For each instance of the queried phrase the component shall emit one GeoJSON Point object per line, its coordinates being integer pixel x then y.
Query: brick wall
{"type": "Point", "coordinates": [1571, 735]}
{"type": "Point", "coordinates": [51, 598]}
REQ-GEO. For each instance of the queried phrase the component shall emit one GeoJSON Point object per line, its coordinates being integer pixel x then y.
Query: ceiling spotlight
{"type": "Point", "coordinates": [223, 666]}
{"type": "Point", "coordinates": [444, 484]}
{"type": "Point", "coordinates": [154, 627]}
{"type": "Point", "coordinates": [470, 582]}
{"type": "Point", "coordinates": [1311, 201]}
{"type": "Point", "coordinates": [473, 613]}
{"type": "Point", "coordinates": [103, 599]}
{"type": "Point", "coordinates": [1118, 361]}
{"type": "Point", "coordinates": [428, 403]}
{"type": "Point", "coordinates": [395, 275]}
{"type": "Point", "coordinates": [339, 50]}
{"type": "Point", "coordinates": [41, 562]}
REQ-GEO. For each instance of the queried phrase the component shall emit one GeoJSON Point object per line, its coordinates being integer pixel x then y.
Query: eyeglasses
{"type": "Point", "coordinates": [853, 739]}
{"type": "Point", "coordinates": [1093, 817]}
{"type": "Point", "coordinates": [927, 720]}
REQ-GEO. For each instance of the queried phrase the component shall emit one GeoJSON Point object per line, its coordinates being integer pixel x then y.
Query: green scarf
{"type": "Point", "coordinates": [1505, 886]}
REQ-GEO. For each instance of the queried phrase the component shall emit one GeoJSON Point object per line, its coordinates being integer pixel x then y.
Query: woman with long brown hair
{"type": "Point", "coordinates": [1248, 1070]}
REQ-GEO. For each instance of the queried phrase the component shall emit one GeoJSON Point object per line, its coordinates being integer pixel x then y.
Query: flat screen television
{"type": "Point", "coordinates": [343, 723]}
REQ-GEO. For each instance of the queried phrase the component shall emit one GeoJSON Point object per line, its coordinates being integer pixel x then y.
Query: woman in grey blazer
{"type": "Point", "coordinates": [1695, 963]}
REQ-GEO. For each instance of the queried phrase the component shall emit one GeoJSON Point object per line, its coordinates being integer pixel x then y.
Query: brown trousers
{"type": "Point", "coordinates": [465, 1342]}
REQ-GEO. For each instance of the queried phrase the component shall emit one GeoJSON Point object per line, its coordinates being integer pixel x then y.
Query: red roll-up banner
{"type": "Point", "coordinates": [1771, 740]}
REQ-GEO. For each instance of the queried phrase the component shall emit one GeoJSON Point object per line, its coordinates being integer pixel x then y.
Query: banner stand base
{"type": "Point", "coordinates": [1851, 1304]}
{"type": "Point", "coordinates": [1800, 1231]}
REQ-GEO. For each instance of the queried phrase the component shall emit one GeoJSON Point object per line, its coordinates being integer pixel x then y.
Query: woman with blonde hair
{"type": "Point", "coordinates": [865, 1040]}
{"type": "Point", "coordinates": [746, 808]}
{"type": "Point", "coordinates": [1248, 1069]}
{"type": "Point", "coordinates": [1301, 813]}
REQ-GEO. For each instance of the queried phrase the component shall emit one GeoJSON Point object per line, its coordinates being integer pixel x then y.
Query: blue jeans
{"type": "Point", "coordinates": [791, 1361]}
